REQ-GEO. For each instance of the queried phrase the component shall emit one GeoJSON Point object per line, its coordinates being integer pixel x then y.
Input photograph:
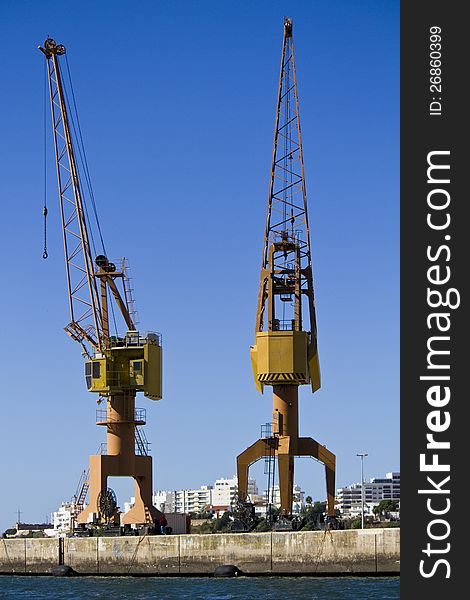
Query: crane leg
{"type": "Point", "coordinates": [286, 481]}
{"type": "Point", "coordinates": [256, 451]}
{"type": "Point", "coordinates": [143, 510]}
{"type": "Point", "coordinates": [99, 472]}
{"type": "Point", "coordinates": [104, 466]}
{"type": "Point", "coordinates": [310, 447]}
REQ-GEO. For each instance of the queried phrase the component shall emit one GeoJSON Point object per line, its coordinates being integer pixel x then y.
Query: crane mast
{"type": "Point", "coordinates": [285, 353]}
{"type": "Point", "coordinates": [117, 367]}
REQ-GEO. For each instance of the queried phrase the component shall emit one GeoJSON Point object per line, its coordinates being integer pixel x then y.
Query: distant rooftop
{"type": "Point", "coordinates": [33, 526]}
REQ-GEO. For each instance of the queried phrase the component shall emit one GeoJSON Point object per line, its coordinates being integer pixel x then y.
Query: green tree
{"type": "Point", "coordinates": [222, 523]}
{"type": "Point", "coordinates": [312, 516]}
{"type": "Point", "coordinates": [356, 523]}
{"type": "Point", "coordinates": [319, 507]}
{"type": "Point", "coordinates": [263, 525]}
{"type": "Point", "coordinates": [308, 500]}
{"type": "Point", "coordinates": [206, 527]}
{"type": "Point", "coordinates": [204, 514]}
{"type": "Point", "coordinates": [387, 506]}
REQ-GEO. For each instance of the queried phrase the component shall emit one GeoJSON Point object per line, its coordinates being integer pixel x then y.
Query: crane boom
{"type": "Point", "coordinates": [84, 305]}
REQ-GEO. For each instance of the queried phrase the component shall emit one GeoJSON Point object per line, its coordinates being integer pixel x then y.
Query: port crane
{"type": "Point", "coordinates": [116, 366]}
{"type": "Point", "coordinates": [285, 353]}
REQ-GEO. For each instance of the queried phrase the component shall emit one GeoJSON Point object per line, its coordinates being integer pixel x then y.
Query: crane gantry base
{"type": "Point", "coordinates": [121, 461]}
{"type": "Point", "coordinates": [285, 448]}
{"type": "Point", "coordinates": [285, 444]}
{"type": "Point", "coordinates": [102, 467]}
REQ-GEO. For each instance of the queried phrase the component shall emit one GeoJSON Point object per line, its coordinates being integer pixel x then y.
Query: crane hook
{"type": "Point", "coordinates": [44, 212]}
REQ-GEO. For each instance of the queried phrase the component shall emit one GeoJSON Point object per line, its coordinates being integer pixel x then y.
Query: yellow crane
{"type": "Point", "coordinates": [285, 353]}
{"type": "Point", "coordinates": [117, 366]}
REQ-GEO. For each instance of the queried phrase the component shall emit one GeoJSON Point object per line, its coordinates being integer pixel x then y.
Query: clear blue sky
{"type": "Point", "coordinates": [177, 102]}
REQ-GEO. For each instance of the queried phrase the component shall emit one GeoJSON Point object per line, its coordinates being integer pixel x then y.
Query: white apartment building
{"type": "Point", "coordinates": [188, 501]}
{"type": "Point", "coordinates": [62, 519]}
{"type": "Point", "coordinates": [225, 491]}
{"type": "Point", "coordinates": [164, 501]}
{"type": "Point", "coordinates": [180, 501]}
{"type": "Point", "coordinates": [349, 499]}
{"type": "Point", "coordinates": [298, 497]}
{"type": "Point", "coordinates": [221, 495]}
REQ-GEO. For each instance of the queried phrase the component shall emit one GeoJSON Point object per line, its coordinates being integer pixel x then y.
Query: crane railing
{"type": "Point", "coordinates": [105, 417]}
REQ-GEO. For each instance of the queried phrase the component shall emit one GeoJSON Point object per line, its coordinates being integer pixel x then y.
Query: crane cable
{"type": "Point", "coordinates": [44, 208]}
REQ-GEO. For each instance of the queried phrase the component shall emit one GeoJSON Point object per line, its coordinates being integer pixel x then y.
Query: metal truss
{"type": "Point", "coordinates": [287, 226]}
{"type": "Point", "coordinates": [85, 316]}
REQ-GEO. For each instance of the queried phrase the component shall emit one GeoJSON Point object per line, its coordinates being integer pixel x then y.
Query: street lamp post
{"type": "Point", "coordinates": [362, 455]}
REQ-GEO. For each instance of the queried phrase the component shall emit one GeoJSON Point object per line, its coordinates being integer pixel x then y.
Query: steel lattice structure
{"type": "Point", "coordinates": [287, 200]}
{"type": "Point", "coordinates": [85, 315]}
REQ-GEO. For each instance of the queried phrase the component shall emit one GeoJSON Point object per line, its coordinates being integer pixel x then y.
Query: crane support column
{"type": "Point", "coordinates": [286, 411]}
{"type": "Point", "coordinates": [120, 434]}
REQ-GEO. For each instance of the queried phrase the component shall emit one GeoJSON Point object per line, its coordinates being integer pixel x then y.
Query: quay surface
{"type": "Point", "coordinates": [344, 552]}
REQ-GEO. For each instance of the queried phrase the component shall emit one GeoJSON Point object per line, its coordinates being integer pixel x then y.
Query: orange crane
{"type": "Point", "coordinates": [285, 353]}
{"type": "Point", "coordinates": [117, 366]}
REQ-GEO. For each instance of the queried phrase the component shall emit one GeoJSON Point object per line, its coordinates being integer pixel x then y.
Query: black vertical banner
{"type": "Point", "coordinates": [435, 242]}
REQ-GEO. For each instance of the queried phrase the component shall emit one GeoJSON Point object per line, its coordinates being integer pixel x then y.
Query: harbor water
{"type": "Point", "coordinates": [199, 588]}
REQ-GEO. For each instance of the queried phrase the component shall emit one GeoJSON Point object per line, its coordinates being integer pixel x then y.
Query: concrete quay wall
{"type": "Point", "coordinates": [355, 551]}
